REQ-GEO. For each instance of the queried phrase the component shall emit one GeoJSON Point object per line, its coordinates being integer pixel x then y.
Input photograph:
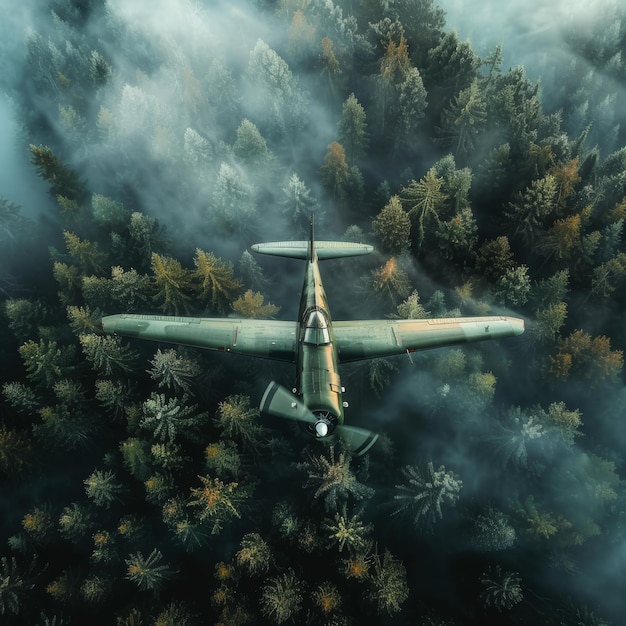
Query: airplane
{"type": "Point", "coordinates": [315, 343]}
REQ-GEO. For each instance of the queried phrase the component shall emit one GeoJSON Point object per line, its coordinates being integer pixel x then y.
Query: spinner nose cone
{"type": "Point", "coordinates": [321, 429]}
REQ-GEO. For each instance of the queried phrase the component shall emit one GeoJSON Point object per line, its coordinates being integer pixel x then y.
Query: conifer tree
{"type": "Point", "coordinates": [353, 129]}
{"type": "Point", "coordinates": [335, 171]}
{"type": "Point", "coordinates": [425, 200]}
{"type": "Point", "coordinates": [173, 370]}
{"type": "Point", "coordinates": [390, 282]}
{"type": "Point", "coordinates": [63, 180]}
{"type": "Point", "coordinates": [425, 491]}
{"type": "Point", "coordinates": [236, 419]}
{"type": "Point", "coordinates": [299, 204]}
{"type": "Point", "coordinates": [348, 531]}
{"type": "Point", "coordinates": [148, 572]}
{"type": "Point", "coordinates": [102, 487]}
{"type": "Point", "coordinates": [173, 283]}
{"type": "Point", "coordinates": [463, 120]}
{"type": "Point", "coordinates": [334, 481]}
{"type": "Point", "coordinates": [502, 589]}
{"type": "Point", "coordinates": [250, 305]}
{"type": "Point", "coordinates": [15, 451]}
{"type": "Point", "coordinates": [281, 597]}
{"type": "Point", "coordinates": [216, 502]}
{"type": "Point", "coordinates": [392, 226]}
{"type": "Point", "coordinates": [254, 554]}
{"type": "Point", "coordinates": [86, 253]}
{"type": "Point", "coordinates": [16, 581]}
{"type": "Point", "coordinates": [169, 419]}
{"type": "Point", "coordinates": [215, 280]}
{"type": "Point", "coordinates": [107, 354]}
{"type": "Point", "coordinates": [388, 587]}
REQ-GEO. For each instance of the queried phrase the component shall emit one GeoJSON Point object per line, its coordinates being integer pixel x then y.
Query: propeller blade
{"type": "Point", "coordinates": [358, 440]}
{"type": "Point", "coordinates": [280, 402]}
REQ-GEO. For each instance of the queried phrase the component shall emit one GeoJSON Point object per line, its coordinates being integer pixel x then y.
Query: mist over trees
{"type": "Point", "coordinates": [141, 484]}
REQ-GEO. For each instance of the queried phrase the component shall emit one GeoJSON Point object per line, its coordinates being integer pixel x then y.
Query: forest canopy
{"type": "Point", "coordinates": [141, 484]}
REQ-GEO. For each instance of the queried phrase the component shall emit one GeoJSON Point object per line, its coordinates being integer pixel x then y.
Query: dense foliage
{"type": "Point", "coordinates": [140, 483]}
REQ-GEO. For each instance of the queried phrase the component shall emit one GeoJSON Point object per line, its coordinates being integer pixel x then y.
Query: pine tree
{"type": "Point", "coordinates": [463, 121]}
{"type": "Point", "coordinates": [425, 491]}
{"type": "Point", "coordinates": [411, 107]}
{"type": "Point", "coordinates": [129, 289]}
{"type": "Point", "coordinates": [251, 273]}
{"type": "Point", "coordinates": [75, 522]}
{"type": "Point", "coordinates": [281, 597]}
{"type": "Point", "coordinates": [233, 198]}
{"type": "Point", "coordinates": [278, 89]}
{"type": "Point", "coordinates": [169, 419]}
{"type": "Point", "coordinates": [16, 581]}
{"type": "Point", "coordinates": [107, 354]}
{"type": "Point", "coordinates": [426, 200]}
{"type": "Point", "coordinates": [174, 371]}
{"type": "Point", "coordinates": [392, 226]}
{"type": "Point", "coordinates": [217, 502]}
{"type": "Point", "coordinates": [458, 235]}
{"type": "Point", "coordinates": [502, 589]}
{"type": "Point", "coordinates": [254, 554]}
{"type": "Point", "coordinates": [492, 531]}
{"type": "Point", "coordinates": [223, 458]}
{"type": "Point", "coordinates": [348, 531]}
{"type": "Point", "coordinates": [46, 361]}
{"type": "Point", "coordinates": [299, 204]}
{"type": "Point", "coordinates": [215, 280]}
{"type": "Point", "coordinates": [327, 598]}
{"type": "Point", "coordinates": [390, 282]}
{"type": "Point", "coordinates": [353, 129]}
{"type": "Point", "coordinates": [147, 237]}
{"type": "Point", "coordinates": [24, 316]}
{"type": "Point", "coordinates": [173, 283]}
{"type": "Point", "coordinates": [236, 419]}
{"type": "Point", "coordinates": [103, 488]}
{"type": "Point", "coordinates": [21, 397]}
{"type": "Point", "coordinates": [388, 586]}
{"type": "Point", "coordinates": [109, 213]}
{"type": "Point", "coordinates": [83, 320]}
{"type": "Point", "coordinates": [250, 305]}
{"type": "Point", "coordinates": [86, 253]}
{"type": "Point", "coordinates": [16, 451]}
{"type": "Point", "coordinates": [63, 180]}
{"type": "Point", "coordinates": [335, 171]}
{"type": "Point", "coordinates": [250, 145]}
{"type": "Point", "coordinates": [334, 481]}
{"type": "Point", "coordinates": [113, 396]}
{"type": "Point", "coordinates": [148, 572]}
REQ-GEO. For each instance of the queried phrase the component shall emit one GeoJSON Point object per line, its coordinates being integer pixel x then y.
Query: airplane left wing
{"type": "Point", "coordinates": [270, 339]}
{"type": "Point", "coordinates": [371, 339]}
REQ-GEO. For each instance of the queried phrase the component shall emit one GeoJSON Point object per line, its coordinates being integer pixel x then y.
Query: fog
{"type": "Point", "coordinates": [215, 118]}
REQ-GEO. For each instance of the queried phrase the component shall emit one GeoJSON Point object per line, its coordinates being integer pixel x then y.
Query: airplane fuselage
{"type": "Point", "coordinates": [318, 382]}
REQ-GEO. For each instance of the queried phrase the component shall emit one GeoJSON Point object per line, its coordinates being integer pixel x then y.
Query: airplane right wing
{"type": "Point", "coordinates": [371, 339]}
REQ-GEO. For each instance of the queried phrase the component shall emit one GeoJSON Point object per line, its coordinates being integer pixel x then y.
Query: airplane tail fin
{"type": "Point", "coordinates": [324, 249]}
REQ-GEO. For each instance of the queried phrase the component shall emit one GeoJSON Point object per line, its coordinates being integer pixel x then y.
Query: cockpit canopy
{"type": "Point", "coordinates": [316, 329]}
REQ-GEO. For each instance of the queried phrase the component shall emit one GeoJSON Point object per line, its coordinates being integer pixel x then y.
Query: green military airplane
{"type": "Point", "coordinates": [315, 343]}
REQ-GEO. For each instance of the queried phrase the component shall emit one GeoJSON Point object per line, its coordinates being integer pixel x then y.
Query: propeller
{"type": "Point", "coordinates": [280, 402]}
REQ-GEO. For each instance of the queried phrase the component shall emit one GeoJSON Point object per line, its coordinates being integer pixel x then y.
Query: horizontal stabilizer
{"type": "Point", "coordinates": [324, 249]}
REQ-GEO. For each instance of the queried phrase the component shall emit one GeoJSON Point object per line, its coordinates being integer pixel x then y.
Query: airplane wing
{"type": "Point", "coordinates": [270, 339]}
{"type": "Point", "coordinates": [370, 339]}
